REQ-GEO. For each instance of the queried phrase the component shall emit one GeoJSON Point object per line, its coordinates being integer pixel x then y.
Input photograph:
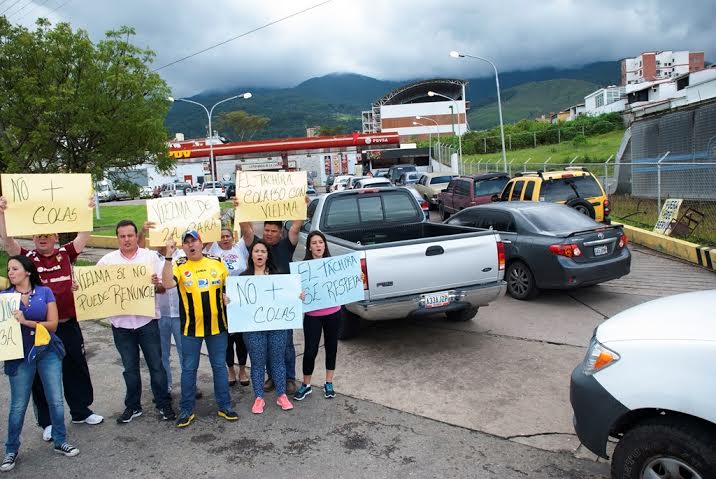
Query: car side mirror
{"type": "Point", "coordinates": [494, 198]}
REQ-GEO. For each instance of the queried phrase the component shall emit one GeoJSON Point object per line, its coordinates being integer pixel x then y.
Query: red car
{"type": "Point", "coordinates": [471, 190]}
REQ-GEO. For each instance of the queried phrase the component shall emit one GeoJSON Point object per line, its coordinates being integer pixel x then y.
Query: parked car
{"type": "Point", "coordinates": [380, 172]}
{"type": "Point", "coordinates": [311, 191]}
{"type": "Point", "coordinates": [329, 182]}
{"type": "Point", "coordinates": [230, 189]}
{"type": "Point", "coordinates": [105, 192]}
{"type": "Point", "coordinates": [550, 246]}
{"type": "Point", "coordinates": [421, 201]}
{"type": "Point", "coordinates": [369, 182]}
{"type": "Point", "coordinates": [465, 191]}
{"type": "Point", "coordinates": [388, 228]}
{"type": "Point", "coordinates": [122, 195]}
{"type": "Point", "coordinates": [647, 381]}
{"type": "Point", "coordinates": [395, 171]}
{"type": "Point", "coordinates": [575, 187]}
{"type": "Point", "coordinates": [353, 180]}
{"type": "Point", "coordinates": [178, 188]}
{"type": "Point", "coordinates": [408, 178]}
{"type": "Point", "coordinates": [340, 182]}
{"type": "Point", "coordinates": [431, 184]}
{"type": "Point", "coordinates": [214, 188]}
{"type": "Point", "coordinates": [146, 192]}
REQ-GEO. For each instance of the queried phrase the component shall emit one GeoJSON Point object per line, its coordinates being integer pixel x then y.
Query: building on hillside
{"type": "Point", "coordinates": [397, 111]}
{"type": "Point", "coordinates": [312, 131]}
{"type": "Point", "coordinates": [651, 66]}
{"type": "Point", "coordinates": [605, 100]}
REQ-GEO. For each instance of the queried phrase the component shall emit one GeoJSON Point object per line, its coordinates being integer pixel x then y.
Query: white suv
{"type": "Point", "coordinates": [648, 380]}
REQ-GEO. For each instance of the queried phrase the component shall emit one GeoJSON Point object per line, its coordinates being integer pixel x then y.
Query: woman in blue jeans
{"type": "Point", "coordinates": [36, 306]}
{"type": "Point", "coordinates": [265, 346]}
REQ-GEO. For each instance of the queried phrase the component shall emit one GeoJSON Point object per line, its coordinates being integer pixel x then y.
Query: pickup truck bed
{"type": "Point", "coordinates": [393, 234]}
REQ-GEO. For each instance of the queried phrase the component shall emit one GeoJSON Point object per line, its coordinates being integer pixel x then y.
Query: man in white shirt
{"type": "Point", "coordinates": [134, 332]}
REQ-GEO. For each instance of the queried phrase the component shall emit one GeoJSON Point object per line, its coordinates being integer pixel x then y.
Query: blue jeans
{"type": "Point", "coordinates": [267, 349]}
{"type": "Point", "coordinates": [191, 351]}
{"type": "Point", "coordinates": [128, 343]}
{"type": "Point", "coordinates": [49, 366]}
{"type": "Point", "coordinates": [169, 326]}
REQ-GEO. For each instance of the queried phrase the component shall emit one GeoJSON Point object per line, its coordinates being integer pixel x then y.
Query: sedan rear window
{"type": "Point", "coordinates": [563, 189]}
{"type": "Point", "coordinates": [558, 220]}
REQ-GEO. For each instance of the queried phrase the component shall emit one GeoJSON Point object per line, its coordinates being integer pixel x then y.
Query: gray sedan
{"type": "Point", "coordinates": [550, 246]}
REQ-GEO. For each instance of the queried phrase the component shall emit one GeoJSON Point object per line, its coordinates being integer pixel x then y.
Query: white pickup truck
{"type": "Point", "coordinates": [410, 267]}
{"type": "Point", "coordinates": [211, 188]}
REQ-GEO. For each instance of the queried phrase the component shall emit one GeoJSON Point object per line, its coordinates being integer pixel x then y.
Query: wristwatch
{"type": "Point", "coordinates": [168, 258]}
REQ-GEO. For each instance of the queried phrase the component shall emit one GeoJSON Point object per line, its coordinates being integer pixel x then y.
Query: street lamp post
{"type": "Point", "coordinates": [430, 139]}
{"type": "Point", "coordinates": [455, 54]}
{"type": "Point", "coordinates": [209, 113]}
{"type": "Point", "coordinates": [459, 134]}
{"type": "Point", "coordinates": [437, 128]}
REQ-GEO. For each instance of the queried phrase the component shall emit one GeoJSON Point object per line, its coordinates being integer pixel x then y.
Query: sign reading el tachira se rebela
{"type": "Point", "coordinates": [10, 335]}
{"type": "Point", "coordinates": [270, 196]}
{"type": "Point", "coordinates": [174, 216]}
{"type": "Point", "coordinates": [47, 203]}
{"type": "Point", "coordinates": [264, 303]}
{"type": "Point", "coordinates": [114, 290]}
{"type": "Point", "coordinates": [333, 281]}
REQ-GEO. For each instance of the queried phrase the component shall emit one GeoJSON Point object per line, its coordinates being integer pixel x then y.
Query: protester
{"type": "Point", "coordinates": [326, 319]}
{"type": "Point", "coordinates": [37, 316]}
{"type": "Point", "coordinates": [282, 250]}
{"type": "Point", "coordinates": [55, 268]}
{"type": "Point", "coordinates": [132, 332]}
{"type": "Point", "coordinates": [265, 347]}
{"type": "Point", "coordinates": [235, 256]}
{"type": "Point", "coordinates": [201, 283]}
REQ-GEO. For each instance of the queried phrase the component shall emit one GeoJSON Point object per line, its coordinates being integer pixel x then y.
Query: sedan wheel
{"type": "Point", "coordinates": [520, 281]}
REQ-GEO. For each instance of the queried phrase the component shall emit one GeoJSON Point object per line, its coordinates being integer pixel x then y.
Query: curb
{"type": "Point", "coordinates": [697, 254]}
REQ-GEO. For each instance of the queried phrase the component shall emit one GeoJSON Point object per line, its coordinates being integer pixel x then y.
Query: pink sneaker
{"type": "Point", "coordinates": [284, 403]}
{"type": "Point", "coordinates": [258, 407]}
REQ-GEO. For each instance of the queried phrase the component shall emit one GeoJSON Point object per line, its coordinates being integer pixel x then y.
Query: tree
{"type": "Point", "coordinates": [68, 105]}
{"type": "Point", "coordinates": [239, 124]}
{"type": "Point", "coordinates": [331, 130]}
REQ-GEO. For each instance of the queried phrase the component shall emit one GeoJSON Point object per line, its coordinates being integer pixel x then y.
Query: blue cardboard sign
{"type": "Point", "coordinates": [332, 281]}
{"type": "Point", "coordinates": [264, 303]}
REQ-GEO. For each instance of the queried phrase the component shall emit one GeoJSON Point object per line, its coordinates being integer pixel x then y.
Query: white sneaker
{"type": "Point", "coordinates": [92, 420]}
{"type": "Point", "coordinates": [47, 434]}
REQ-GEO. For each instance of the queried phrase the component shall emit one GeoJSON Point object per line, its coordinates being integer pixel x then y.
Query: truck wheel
{"type": "Point", "coordinates": [666, 447]}
{"type": "Point", "coordinates": [520, 281]}
{"type": "Point", "coordinates": [349, 326]}
{"type": "Point", "coordinates": [463, 314]}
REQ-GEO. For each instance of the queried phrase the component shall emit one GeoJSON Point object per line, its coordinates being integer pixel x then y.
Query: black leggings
{"type": "Point", "coordinates": [236, 340]}
{"type": "Point", "coordinates": [312, 326]}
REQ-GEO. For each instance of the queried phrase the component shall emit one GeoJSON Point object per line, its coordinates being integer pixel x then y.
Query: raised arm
{"type": "Point", "coordinates": [167, 271]}
{"type": "Point", "coordinates": [9, 244]}
{"type": "Point", "coordinates": [247, 229]}
{"type": "Point", "coordinates": [296, 228]}
{"type": "Point", "coordinates": [83, 236]}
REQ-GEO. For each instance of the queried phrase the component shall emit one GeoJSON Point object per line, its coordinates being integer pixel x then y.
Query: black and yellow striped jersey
{"type": "Point", "coordinates": [201, 285]}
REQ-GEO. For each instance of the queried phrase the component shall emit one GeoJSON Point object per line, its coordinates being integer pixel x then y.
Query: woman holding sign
{"type": "Point", "coordinates": [265, 346]}
{"type": "Point", "coordinates": [43, 353]}
{"type": "Point", "coordinates": [327, 320]}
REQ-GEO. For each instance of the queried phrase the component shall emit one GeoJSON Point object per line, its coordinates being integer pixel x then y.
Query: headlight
{"type": "Point", "coordinates": [598, 357]}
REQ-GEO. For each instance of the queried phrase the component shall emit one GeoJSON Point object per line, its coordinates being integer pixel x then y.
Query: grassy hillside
{"type": "Point", "coordinates": [597, 149]}
{"type": "Point", "coordinates": [530, 101]}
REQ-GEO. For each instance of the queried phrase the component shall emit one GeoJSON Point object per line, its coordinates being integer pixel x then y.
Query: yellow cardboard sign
{"type": "Point", "coordinates": [47, 203]}
{"type": "Point", "coordinates": [264, 195]}
{"type": "Point", "coordinates": [10, 335]}
{"type": "Point", "coordinates": [114, 290]}
{"type": "Point", "coordinates": [173, 216]}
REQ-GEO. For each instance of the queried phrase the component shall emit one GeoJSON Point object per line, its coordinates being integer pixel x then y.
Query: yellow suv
{"type": "Point", "coordinates": [575, 187]}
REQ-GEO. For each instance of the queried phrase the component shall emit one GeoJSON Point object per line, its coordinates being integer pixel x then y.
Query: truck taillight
{"type": "Point", "coordinates": [607, 208]}
{"type": "Point", "coordinates": [424, 204]}
{"type": "Point", "coordinates": [623, 240]}
{"type": "Point", "coordinates": [568, 250]}
{"type": "Point", "coordinates": [364, 271]}
{"type": "Point", "coordinates": [501, 255]}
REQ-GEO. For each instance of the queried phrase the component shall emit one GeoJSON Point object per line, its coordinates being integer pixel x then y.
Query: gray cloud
{"type": "Point", "coordinates": [396, 39]}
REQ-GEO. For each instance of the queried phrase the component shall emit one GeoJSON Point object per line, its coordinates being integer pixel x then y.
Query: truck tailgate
{"type": "Point", "coordinates": [430, 265]}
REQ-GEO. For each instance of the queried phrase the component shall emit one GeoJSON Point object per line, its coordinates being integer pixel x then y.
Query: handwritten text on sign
{"type": "Point", "coordinates": [10, 335]}
{"type": "Point", "coordinates": [264, 303]}
{"type": "Point", "coordinates": [114, 290]}
{"type": "Point", "coordinates": [270, 196]}
{"type": "Point", "coordinates": [174, 216]}
{"type": "Point", "coordinates": [330, 281]}
{"type": "Point", "coordinates": [47, 203]}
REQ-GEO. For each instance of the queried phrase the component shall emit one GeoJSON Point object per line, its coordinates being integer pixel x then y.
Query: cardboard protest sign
{"type": "Point", "coordinates": [173, 216]}
{"type": "Point", "coordinates": [264, 303]}
{"type": "Point", "coordinates": [264, 195]}
{"type": "Point", "coordinates": [333, 281]}
{"type": "Point", "coordinates": [114, 290]}
{"type": "Point", "coordinates": [47, 203]}
{"type": "Point", "coordinates": [669, 212]}
{"type": "Point", "coordinates": [10, 335]}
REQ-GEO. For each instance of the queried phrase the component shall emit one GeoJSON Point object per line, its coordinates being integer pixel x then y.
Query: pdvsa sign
{"type": "Point", "coordinates": [180, 154]}
{"type": "Point", "coordinates": [371, 140]}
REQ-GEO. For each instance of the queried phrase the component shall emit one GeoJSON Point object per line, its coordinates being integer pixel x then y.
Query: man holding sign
{"type": "Point", "coordinates": [132, 332]}
{"type": "Point", "coordinates": [55, 267]}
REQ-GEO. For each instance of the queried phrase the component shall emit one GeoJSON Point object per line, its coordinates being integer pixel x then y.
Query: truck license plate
{"type": "Point", "coordinates": [435, 300]}
{"type": "Point", "coordinates": [600, 250]}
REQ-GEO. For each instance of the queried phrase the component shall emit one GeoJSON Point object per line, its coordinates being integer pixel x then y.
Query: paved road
{"type": "Point", "coordinates": [422, 398]}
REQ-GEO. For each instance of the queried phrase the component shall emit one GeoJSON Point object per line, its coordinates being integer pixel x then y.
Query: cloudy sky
{"type": "Point", "coordinates": [386, 39]}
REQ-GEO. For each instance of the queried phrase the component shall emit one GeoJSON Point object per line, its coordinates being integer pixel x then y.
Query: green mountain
{"type": "Point", "coordinates": [339, 98]}
{"type": "Point", "coordinates": [531, 100]}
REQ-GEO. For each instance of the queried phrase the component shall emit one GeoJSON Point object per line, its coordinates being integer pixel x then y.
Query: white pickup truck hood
{"type": "Point", "coordinates": [689, 316]}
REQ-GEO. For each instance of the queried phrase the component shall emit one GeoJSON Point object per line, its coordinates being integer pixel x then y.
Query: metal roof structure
{"type": "Point", "coordinates": [417, 92]}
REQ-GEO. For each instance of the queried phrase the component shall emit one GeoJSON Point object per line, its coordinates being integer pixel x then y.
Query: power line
{"type": "Point", "coordinates": [8, 8]}
{"type": "Point", "coordinates": [59, 6]}
{"type": "Point", "coordinates": [243, 34]}
{"type": "Point", "coordinates": [21, 9]}
{"type": "Point", "coordinates": [33, 10]}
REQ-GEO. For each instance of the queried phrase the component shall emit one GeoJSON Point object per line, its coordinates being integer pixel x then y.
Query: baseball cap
{"type": "Point", "coordinates": [193, 233]}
